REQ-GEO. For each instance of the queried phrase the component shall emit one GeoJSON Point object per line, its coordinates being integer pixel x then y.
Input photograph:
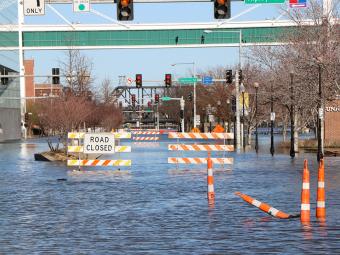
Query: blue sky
{"type": "Point", "coordinates": [152, 63]}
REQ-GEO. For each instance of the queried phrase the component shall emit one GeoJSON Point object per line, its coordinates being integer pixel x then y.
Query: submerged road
{"type": "Point", "coordinates": [156, 209]}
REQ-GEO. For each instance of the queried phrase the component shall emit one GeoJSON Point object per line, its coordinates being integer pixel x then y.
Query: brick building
{"type": "Point", "coordinates": [332, 122]}
{"type": "Point", "coordinates": [47, 90]}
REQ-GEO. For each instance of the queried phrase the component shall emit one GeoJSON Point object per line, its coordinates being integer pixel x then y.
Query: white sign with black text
{"type": "Point", "coordinates": [99, 143]}
{"type": "Point", "coordinates": [34, 7]}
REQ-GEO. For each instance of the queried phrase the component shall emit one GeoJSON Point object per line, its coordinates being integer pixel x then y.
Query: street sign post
{"type": "Point", "coordinates": [99, 143]}
{"type": "Point", "coordinates": [188, 80]}
{"type": "Point", "coordinates": [34, 7]}
{"type": "Point", "coordinates": [264, 1]}
{"type": "Point", "coordinates": [81, 5]}
{"type": "Point", "coordinates": [207, 80]}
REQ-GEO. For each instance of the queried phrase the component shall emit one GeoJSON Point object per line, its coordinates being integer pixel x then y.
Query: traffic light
{"type": "Point", "coordinates": [167, 80]}
{"type": "Point", "coordinates": [190, 97]}
{"type": "Point", "coordinates": [26, 117]}
{"type": "Point", "coordinates": [222, 9]}
{"type": "Point", "coordinates": [181, 114]}
{"type": "Point", "coordinates": [229, 76]}
{"type": "Point", "coordinates": [240, 76]}
{"type": "Point", "coordinates": [149, 104]}
{"type": "Point", "coordinates": [233, 103]}
{"type": "Point", "coordinates": [55, 76]}
{"type": "Point", "coordinates": [133, 99]}
{"type": "Point", "coordinates": [125, 9]}
{"type": "Point", "coordinates": [156, 98]}
{"type": "Point", "coordinates": [139, 80]}
{"type": "Point", "coordinates": [4, 80]}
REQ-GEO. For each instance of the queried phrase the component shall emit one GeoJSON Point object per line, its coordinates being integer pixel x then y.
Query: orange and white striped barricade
{"type": "Point", "coordinates": [321, 196]}
{"type": "Point", "coordinates": [146, 135]}
{"type": "Point", "coordinates": [305, 195]}
{"type": "Point", "coordinates": [265, 207]}
{"type": "Point", "coordinates": [200, 147]}
{"type": "Point", "coordinates": [80, 149]}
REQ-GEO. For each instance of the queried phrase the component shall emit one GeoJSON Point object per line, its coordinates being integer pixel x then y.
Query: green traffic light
{"type": "Point", "coordinates": [81, 7]}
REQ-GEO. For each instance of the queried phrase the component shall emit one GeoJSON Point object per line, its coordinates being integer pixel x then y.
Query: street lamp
{"type": "Point", "coordinates": [292, 124]}
{"type": "Point", "coordinates": [237, 84]}
{"type": "Point", "coordinates": [194, 74]}
{"type": "Point", "coordinates": [256, 85]}
{"type": "Point", "coordinates": [242, 90]}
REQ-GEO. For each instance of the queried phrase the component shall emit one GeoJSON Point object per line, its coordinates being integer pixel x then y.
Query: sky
{"type": "Point", "coordinates": [152, 63]}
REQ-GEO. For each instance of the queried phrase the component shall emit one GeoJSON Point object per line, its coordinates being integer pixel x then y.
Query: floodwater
{"type": "Point", "coordinates": [156, 209]}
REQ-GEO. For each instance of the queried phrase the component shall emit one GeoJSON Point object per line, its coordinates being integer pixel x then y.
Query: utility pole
{"type": "Point", "coordinates": [256, 85]}
{"type": "Point", "coordinates": [182, 102]}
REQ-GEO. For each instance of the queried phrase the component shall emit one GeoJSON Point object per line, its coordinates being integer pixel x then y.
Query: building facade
{"type": "Point", "coordinates": [332, 122]}
{"type": "Point", "coordinates": [10, 114]}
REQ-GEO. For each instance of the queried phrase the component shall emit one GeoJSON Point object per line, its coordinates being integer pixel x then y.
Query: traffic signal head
{"type": "Point", "coordinates": [229, 76]}
{"type": "Point", "coordinates": [55, 76]}
{"type": "Point", "coordinates": [133, 99]}
{"type": "Point", "coordinates": [168, 80]}
{"type": "Point", "coordinates": [125, 9]}
{"type": "Point", "coordinates": [139, 80]}
{"type": "Point", "coordinates": [222, 9]}
{"type": "Point", "coordinates": [190, 97]}
{"type": "Point", "coordinates": [4, 80]}
{"type": "Point", "coordinates": [149, 104]}
{"type": "Point", "coordinates": [240, 76]}
{"type": "Point", "coordinates": [156, 98]}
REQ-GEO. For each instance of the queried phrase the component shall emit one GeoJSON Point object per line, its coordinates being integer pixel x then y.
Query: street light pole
{"type": "Point", "coordinates": [320, 118]}
{"type": "Point", "coordinates": [194, 74]}
{"type": "Point", "coordinates": [256, 85]}
{"type": "Point", "coordinates": [237, 86]}
{"type": "Point", "coordinates": [272, 118]}
{"type": "Point", "coordinates": [292, 124]}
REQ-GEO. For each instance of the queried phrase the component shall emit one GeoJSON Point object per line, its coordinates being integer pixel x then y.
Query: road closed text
{"type": "Point", "coordinates": [101, 143]}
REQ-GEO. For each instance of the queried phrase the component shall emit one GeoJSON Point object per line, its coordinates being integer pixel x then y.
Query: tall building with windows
{"type": "Point", "coordinates": [10, 115]}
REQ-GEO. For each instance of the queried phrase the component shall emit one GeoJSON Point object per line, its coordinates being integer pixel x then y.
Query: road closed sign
{"type": "Point", "coordinates": [34, 7]}
{"type": "Point", "coordinates": [99, 143]}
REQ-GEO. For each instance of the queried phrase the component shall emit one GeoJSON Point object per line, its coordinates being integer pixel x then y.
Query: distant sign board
{"type": "Point", "coordinates": [264, 1]}
{"type": "Point", "coordinates": [207, 80]}
{"type": "Point", "coordinates": [81, 5]}
{"type": "Point", "coordinates": [188, 80]}
{"type": "Point", "coordinates": [99, 143]}
{"type": "Point", "coordinates": [297, 3]}
{"type": "Point", "coordinates": [34, 7]}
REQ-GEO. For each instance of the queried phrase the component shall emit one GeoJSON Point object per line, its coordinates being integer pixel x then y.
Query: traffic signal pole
{"type": "Point", "coordinates": [237, 113]}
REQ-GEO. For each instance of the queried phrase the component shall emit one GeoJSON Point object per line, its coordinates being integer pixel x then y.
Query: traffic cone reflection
{"type": "Point", "coordinates": [305, 195]}
{"type": "Point", "coordinates": [321, 199]}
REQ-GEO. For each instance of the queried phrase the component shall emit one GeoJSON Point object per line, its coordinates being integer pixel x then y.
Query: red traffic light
{"type": "Point", "coordinates": [156, 98]}
{"type": "Point", "coordinates": [168, 80]}
{"type": "Point", "coordinates": [139, 80]}
{"type": "Point", "coordinates": [149, 104]}
{"type": "Point", "coordinates": [133, 99]}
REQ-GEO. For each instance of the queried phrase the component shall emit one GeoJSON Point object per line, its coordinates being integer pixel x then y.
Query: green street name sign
{"type": "Point", "coordinates": [166, 98]}
{"type": "Point", "coordinates": [264, 1]}
{"type": "Point", "coordinates": [188, 80]}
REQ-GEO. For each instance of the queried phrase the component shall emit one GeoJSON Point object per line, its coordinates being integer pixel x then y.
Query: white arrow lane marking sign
{"type": "Point", "coordinates": [34, 7]}
{"type": "Point", "coordinates": [99, 143]}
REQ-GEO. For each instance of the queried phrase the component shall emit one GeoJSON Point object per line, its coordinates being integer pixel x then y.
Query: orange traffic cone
{"type": "Point", "coordinates": [305, 204]}
{"type": "Point", "coordinates": [321, 199]}
{"type": "Point", "coordinates": [265, 207]}
{"type": "Point", "coordinates": [210, 180]}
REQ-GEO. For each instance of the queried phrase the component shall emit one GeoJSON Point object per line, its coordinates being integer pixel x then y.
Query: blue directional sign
{"type": "Point", "coordinates": [207, 80]}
